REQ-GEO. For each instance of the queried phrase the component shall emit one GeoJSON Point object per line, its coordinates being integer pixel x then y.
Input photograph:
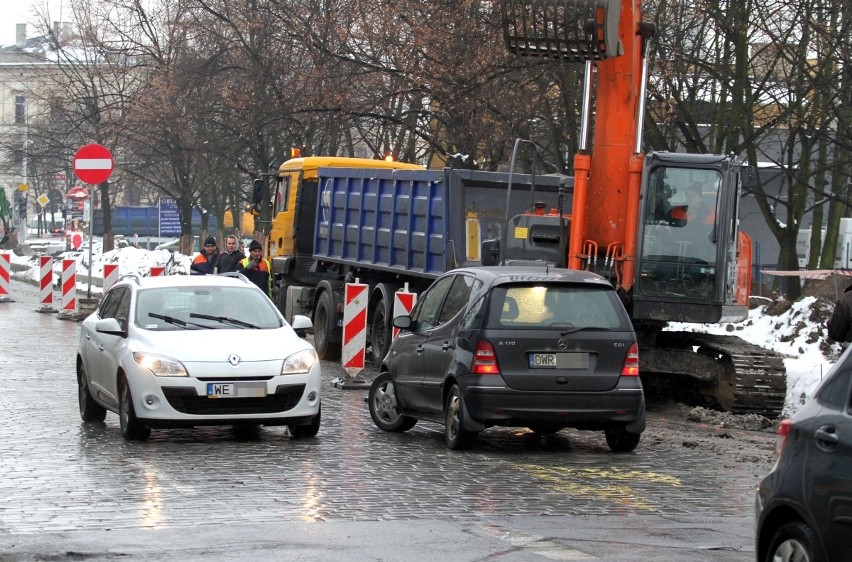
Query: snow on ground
{"type": "Point", "coordinates": [793, 334]}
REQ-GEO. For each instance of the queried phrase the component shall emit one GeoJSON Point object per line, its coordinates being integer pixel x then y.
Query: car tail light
{"type": "Point", "coordinates": [631, 362]}
{"type": "Point", "coordinates": [783, 432]}
{"type": "Point", "coordinates": [484, 359]}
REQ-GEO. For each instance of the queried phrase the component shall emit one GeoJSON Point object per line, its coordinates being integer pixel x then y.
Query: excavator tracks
{"type": "Point", "coordinates": [734, 375]}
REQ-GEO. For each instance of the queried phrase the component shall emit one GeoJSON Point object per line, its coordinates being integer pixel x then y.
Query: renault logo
{"type": "Point", "coordinates": [563, 344]}
{"type": "Point", "coordinates": [234, 359]}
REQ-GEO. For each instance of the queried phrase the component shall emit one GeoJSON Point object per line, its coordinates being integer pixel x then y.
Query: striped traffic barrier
{"type": "Point", "coordinates": [46, 284]}
{"type": "Point", "coordinates": [5, 267]}
{"type": "Point", "coordinates": [110, 275]}
{"type": "Point", "coordinates": [403, 302]}
{"type": "Point", "coordinates": [69, 290]}
{"type": "Point", "coordinates": [354, 335]}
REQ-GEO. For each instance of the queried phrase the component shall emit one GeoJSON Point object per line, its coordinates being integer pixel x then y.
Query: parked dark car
{"type": "Point", "coordinates": [533, 347]}
{"type": "Point", "coordinates": [804, 506]}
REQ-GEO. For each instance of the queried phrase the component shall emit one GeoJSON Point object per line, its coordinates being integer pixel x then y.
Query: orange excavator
{"type": "Point", "coordinates": [636, 217]}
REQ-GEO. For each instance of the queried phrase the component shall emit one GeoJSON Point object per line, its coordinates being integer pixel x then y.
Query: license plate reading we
{"type": "Point", "coordinates": [559, 360]}
{"type": "Point", "coordinates": [248, 389]}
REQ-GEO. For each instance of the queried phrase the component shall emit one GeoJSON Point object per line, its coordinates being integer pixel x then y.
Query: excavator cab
{"type": "Point", "coordinates": [686, 263]}
{"type": "Point", "coordinates": [572, 30]}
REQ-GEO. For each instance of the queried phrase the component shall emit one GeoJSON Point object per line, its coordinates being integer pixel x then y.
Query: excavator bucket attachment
{"type": "Point", "coordinates": [573, 30]}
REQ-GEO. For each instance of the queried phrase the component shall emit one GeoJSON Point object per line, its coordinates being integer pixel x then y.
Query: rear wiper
{"type": "Point", "coordinates": [568, 328]}
{"type": "Point", "coordinates": [176, 321]}
{"type": "Point", "coordinates": [224, 320]}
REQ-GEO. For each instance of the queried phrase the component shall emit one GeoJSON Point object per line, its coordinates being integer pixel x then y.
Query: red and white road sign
{"type": "Point", "coordinates": [110, 275]}
{"type": "Point", "coordinates": [354, 327]}
{"type": "Point", "coordinates": [69, 285]}
{"type": "Point", "coordinates": [93, 163]}
{"type": "Point", "coordinates": [403, 302]}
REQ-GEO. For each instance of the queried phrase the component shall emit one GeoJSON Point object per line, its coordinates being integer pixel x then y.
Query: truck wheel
{"type": "Point", "coordinates": [324, 328]}
{"type": "Point", "coordinates": [380, 333]}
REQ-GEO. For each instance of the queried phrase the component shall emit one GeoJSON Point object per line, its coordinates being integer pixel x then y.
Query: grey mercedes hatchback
{"type": "Point", "coordinates": [526, 346]}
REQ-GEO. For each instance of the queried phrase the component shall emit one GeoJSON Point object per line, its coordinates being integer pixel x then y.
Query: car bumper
{"type": "Point", "coordinates": [183, 401]}
{"type": "Point", "coordinates": [504, 406]}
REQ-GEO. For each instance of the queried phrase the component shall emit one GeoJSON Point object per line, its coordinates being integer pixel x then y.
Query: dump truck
{"type": "Point", "coordinates": [389, 225]}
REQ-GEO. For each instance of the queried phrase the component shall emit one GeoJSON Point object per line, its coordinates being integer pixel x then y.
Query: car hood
{"type": "Point", "coordinates": [218, 345]}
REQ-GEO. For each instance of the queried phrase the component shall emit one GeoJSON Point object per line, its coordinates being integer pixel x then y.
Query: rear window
{"type": "Point", "coordinates": [557, 306]}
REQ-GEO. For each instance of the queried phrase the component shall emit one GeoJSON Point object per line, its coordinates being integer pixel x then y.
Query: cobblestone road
{"type": "Point", "coordinates": [61, 474]}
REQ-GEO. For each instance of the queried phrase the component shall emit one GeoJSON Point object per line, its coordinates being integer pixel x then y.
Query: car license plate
{"type": "Point", "coordinates": [559, 360]}
{"type": "Point", "coordinates": [249, 389]}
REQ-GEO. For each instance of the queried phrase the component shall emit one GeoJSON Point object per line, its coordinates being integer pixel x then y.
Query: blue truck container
{"type": "Point", "coordinates": [390, 229]}
{"type": "Point", "coordinates": [419, 223]}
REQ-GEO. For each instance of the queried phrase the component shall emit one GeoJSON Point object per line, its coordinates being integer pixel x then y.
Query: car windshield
{"type": "Point", "coordinates": [193, 308]}
{"type": "Point", "coordinates": [570, 307]}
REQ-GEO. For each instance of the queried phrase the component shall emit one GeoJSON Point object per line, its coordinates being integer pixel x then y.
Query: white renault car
{"type": "Point", "coordinates": [194, 350]}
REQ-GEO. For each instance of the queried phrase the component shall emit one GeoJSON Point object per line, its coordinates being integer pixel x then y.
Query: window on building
{"type": "Point", "coordinates": [20, 110]}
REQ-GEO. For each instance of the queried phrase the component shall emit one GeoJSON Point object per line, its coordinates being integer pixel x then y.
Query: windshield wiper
{"type": "Point", "coordinates": [176, 321]}
{"type": "Point", "coordinates": [568, 328]}
{"type": "Point", "coordinates": [224, 320]}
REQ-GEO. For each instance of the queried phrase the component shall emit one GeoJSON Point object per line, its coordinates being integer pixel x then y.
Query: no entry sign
{"type": "Point", "coordinates": [93, 164]}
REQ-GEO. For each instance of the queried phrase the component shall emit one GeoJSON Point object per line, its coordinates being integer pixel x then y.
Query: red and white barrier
{"type": "Point", "coordinates": [5, 267]}
{"type": "Point", "coordinates": [69, 286]}
{"type": "Point", "coordinates": [46, 284]}
{"type": "Point", "coordinates": [158, 270]}
{"type": "Point", "coordinates": [354, 327]}
{"type": "Point", "coordinates": [403, 302]}
{"type": "Point", "coordinates": [110, 276]}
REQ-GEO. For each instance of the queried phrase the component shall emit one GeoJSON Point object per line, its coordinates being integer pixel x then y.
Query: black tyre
{"type": "Point", "coordinates": [383, 406]}
{"type": "Point", "coordinates": [620, 440]}
{"type": "Point", "coordinates": [380, 333]}
{"type": "Point", "coordinates": [131, 428]}
{"type": "Point", "coordinates": [324, 328]}
{"type": "Point", "coordinates": [546, 428]}
{"type": "Point", "coordinates": [307, 431]}
{"type": "Point", "coordinates": [90, 410]}
{"type": "Point", "coordinates": [792, 542]}
{"type": "Point", "coordinates": [455, 434]}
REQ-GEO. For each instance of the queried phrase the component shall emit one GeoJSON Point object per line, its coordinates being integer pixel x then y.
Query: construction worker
{"type": "Point", "coordinates": [256, 268]}
{"type": "Point", "coordinates": [206, 261]}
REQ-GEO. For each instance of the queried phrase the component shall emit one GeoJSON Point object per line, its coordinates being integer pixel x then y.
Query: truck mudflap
{"type": "Point", "coordinates": [726, 371]}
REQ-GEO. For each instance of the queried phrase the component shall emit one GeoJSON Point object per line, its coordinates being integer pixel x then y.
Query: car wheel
{"type": "Point", "coordinates": [324, 326]}
{"type": "Point", "coordinates": [380, 333]}
{"type": "Point", "coordinates": [383, 406]}
{"type": "Point", "coordinates": [792, 542]}
{"type": "Point", "coordinates": [90, 410]}
{"type": "Point", "coordinates": [546, 428]}
{"type": "Point", "coordinates": [306, 431]}
{"type": "Point", "coordinates": [620, 440]}
{"type": "Point", "coordinates": [131, 428]}
{"type": "Point", "coordinates": [456, 436]}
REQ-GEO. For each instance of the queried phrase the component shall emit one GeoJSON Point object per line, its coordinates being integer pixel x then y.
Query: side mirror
{"type": "Point", "coordinates": [257, 194]}
{"type": "Point", "coordinates": [110, 326]}
{"type": "Point", "coordinates": [402, 322]}
{"type": "Point", "coordinates": [302, 325]}
{"type": "Point", "coordinates": [490, 252]}
{"type": "Point", "coordinates": [748, 177]}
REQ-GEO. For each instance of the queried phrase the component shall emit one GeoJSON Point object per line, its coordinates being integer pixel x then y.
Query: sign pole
{"type": "Point", "coordinates": [91, 242]}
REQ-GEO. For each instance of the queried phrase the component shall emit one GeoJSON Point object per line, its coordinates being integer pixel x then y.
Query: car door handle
{"type": "Point", "coordinates": [419, 349]}
{"type": "Point", "coordinates": [826, 436]}
{"type": "Point", "coordinates": [447, 345]}
{"type": "Point", "coordinates": [100, 347]}
{"type": "Point", "coordinates": [88, 337]}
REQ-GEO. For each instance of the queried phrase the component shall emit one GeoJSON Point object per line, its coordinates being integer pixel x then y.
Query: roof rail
{"type": "Point", "coordinates": [235, 274]}
{"type": "Point", "coordinates": [134, 276]}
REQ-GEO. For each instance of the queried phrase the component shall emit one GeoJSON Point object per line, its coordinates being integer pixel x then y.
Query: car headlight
{"type": "Point", "coordinates": [161, 366]}
{"type": "Point", "coordinates": [299, 363]}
